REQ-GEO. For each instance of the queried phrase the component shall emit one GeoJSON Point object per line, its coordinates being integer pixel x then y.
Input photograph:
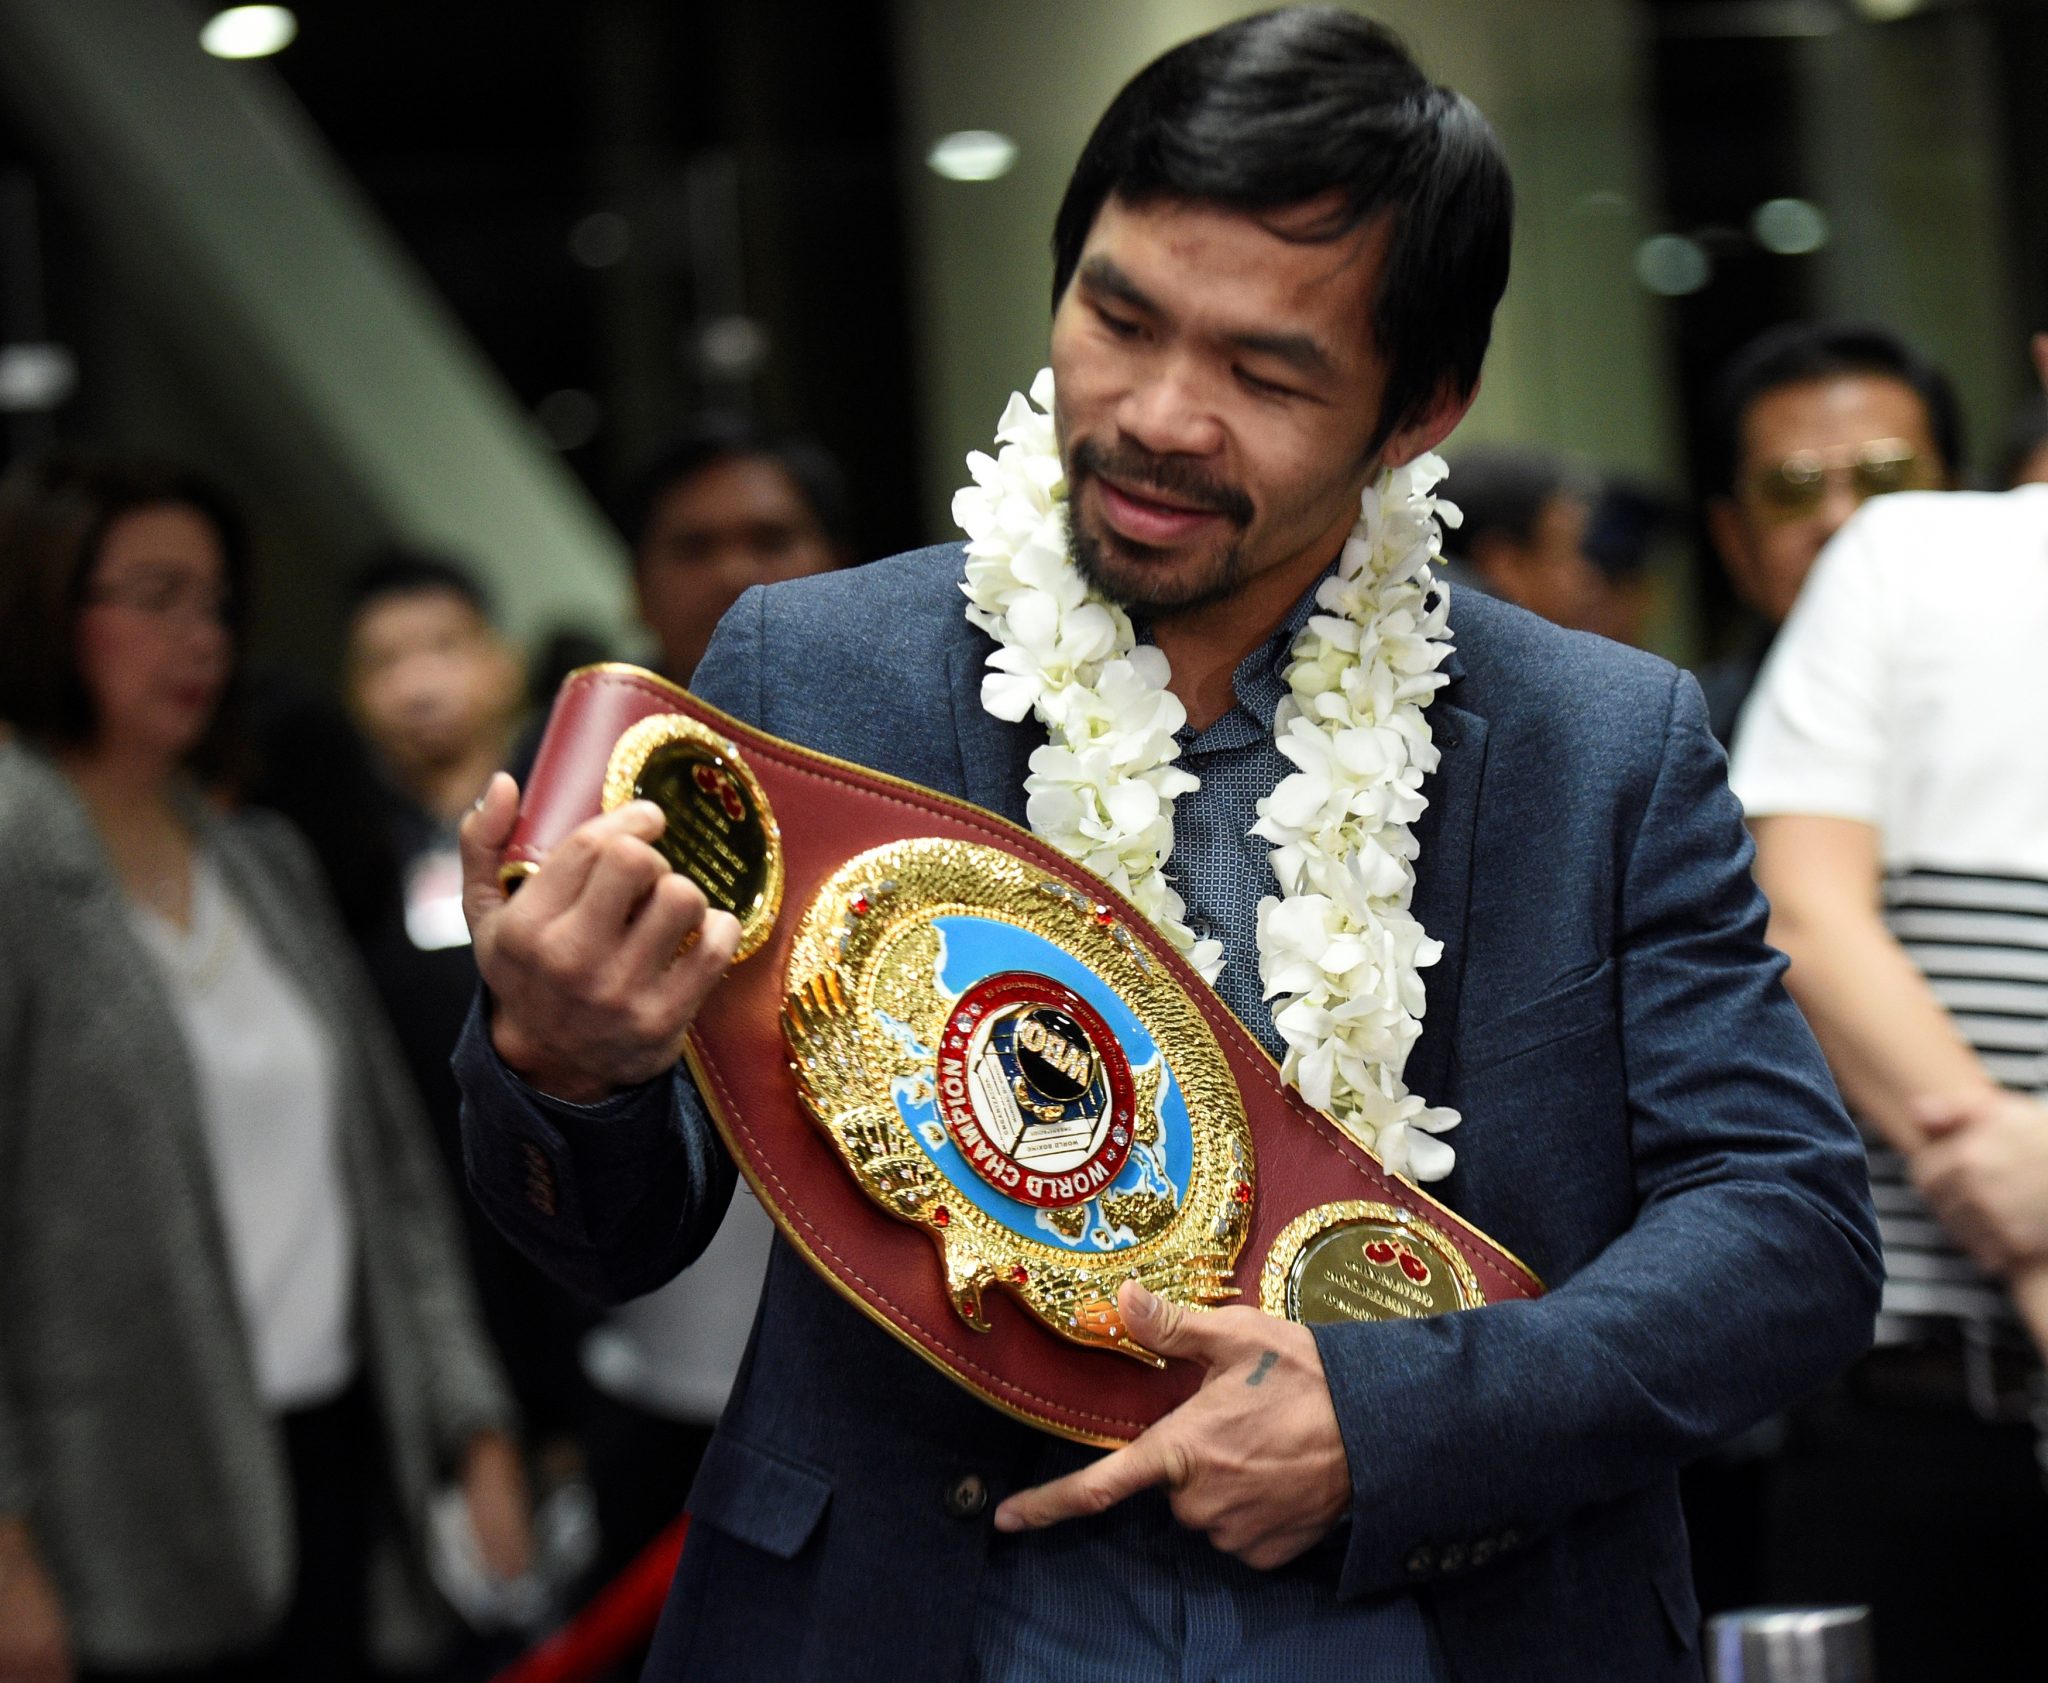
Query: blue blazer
{"type": "Point", "coordinates": [1647, 1122]}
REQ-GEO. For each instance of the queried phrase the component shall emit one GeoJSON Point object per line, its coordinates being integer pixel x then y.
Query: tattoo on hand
{"type": "Point", "coordinates": [1267, 1359]}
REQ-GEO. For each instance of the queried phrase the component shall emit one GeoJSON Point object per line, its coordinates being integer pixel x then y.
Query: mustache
{"type": "Point", "coordinates": [1173, 478]}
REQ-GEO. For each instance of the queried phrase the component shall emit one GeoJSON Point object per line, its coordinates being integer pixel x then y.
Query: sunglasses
{"type": "Point", "coordinates": [1796, 487]}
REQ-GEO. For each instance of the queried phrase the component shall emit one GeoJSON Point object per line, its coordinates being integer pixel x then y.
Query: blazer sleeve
{"type": "Point", "coordinates": [1749, 1274]}
{"type": "Point", "coordinates": [612, 1199]}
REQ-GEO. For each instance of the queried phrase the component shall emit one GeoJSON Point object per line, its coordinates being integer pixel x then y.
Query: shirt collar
{"type": "Point", "coordinates": [1259, 683]}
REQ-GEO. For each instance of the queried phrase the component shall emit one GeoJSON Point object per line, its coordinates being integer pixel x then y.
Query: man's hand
{"type": "Point", "coordinates": [494, 1490]}
{"type": "Point", "coordinates": [1984, 1171]}
{"type": "Point", "coordinates": [34, 1644]}
{"type": "Point", "coordinates": [591, 983]}
{"type": "Point", "coordinates": [1253, 1458]}
{"type": "Point", "coordinates": [2041, 359]}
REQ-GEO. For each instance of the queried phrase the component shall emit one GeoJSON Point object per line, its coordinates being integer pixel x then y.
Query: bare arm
{"type": "Point", "coordinates": [1887, 1038]}
{"type": "Point", "coordinates": [34, 1645]}
{"type": "Point", "coordinates": [1978, 1153]}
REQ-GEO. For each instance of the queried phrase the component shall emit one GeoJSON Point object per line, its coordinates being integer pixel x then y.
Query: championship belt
{"type": "Point", "coordinates": [975, 1088]}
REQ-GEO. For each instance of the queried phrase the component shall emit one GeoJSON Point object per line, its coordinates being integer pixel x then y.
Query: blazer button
{"type": "Point", "coordinates": [1420, 1560]}
{"type": "Point", "coordinates": [966, 1496]}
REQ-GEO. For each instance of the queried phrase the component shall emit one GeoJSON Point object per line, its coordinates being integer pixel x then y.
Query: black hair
{"type": "Point", "coordinates": [810, 466]}
{"type": "Point", "coordinates": [56, 509]}
{"type": "Point", "coordinates": [2027, 434]}
{"type": "Point", "coordinates": [1502, 490]}
{"type": "Point", "coordinates": [1801, 352]}
{"type": "Point", "coordinates": [1290, 106]}
{"type": "Point", "coordinates": [1628, 520]}
{"type": "Point", "coordinates": [397, 570]}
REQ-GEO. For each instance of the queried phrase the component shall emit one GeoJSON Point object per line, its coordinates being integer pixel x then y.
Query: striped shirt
{"type": "Point", "coordinates": [1982, 943]}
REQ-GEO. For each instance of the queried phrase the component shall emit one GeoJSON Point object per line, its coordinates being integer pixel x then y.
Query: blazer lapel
{"type": "Point", "coordinates": [1443, 884]}
{"type": "Point", "coordinates": [995, 755]}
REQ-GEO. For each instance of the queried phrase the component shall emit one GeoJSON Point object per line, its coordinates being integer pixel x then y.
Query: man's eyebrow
{"type": "Point", "coordinates": [1102, 275]}
{"type": "Point", "coordinates": [1298, 350]}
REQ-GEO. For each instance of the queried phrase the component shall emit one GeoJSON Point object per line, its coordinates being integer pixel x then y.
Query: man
{"type": "Point", "coordinates": [1892, 763]}
{"type": "Point", "coordinates": [1809, 421]}
{"type": "Point", "coordinates": [435, 690]}
{"type": "Point", "coordinates": [720, 510]}
{"type": "Point", "coordinates": [1526, 520]}
{"type": "Point", "coordinates": [1275, 271]}
{"type": "Point", "coordinates": [723, 508]}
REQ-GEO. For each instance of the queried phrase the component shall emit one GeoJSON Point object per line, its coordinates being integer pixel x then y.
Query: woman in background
{"type": "Point", "coordinates": [237, 1352]}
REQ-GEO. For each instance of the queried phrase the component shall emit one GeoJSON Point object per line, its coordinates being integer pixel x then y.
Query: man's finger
{"type": "Point", "coordinates": [569, 863]}
{"type": "Point", "coordinates": [1214, 1337]}
{"type": "Point", "coordinates": [484, 832]}
{"type": "Point", "coordinates": [672, 912]}
{"type": "Point", "coordinates": [707, 958]}
{"type": "Point", "coordinates": [621, 878]}
{"type": "Point", "coordinates": [1152, 1460]}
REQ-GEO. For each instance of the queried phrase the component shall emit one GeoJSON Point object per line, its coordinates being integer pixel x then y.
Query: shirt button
{"type": "Point", "coordinates": [966, 1496]}
{"type": "Point", "coordinates": [1420, 1560]}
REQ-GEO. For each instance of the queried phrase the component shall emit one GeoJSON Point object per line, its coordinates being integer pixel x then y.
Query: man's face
{"type": "Point", "coordinates": [740, 521]}
{"type": "Point", "coordinates": [1810, 454]}
{"type": "Point", "coordinates": [429, 679]}
{"type": "Point", "coordinates": [1217, 391]}
{"type": "Point", "coordinates": [1551, 574]}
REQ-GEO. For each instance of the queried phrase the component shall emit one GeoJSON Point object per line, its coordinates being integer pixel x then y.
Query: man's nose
{"type": "Point", "coordinates": [1841, 500]}
{"type": "Point", "coordinates": [1167, 411]}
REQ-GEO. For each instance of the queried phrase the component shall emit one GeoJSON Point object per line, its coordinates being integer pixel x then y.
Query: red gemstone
{"type": "Point", "coordinates": [859, 905]}
{"type": "Point", "coordinates": [1242, 1192]}
{"type": "Point", "coordinates": [941, 1216]}
{"type": "Point", "coordinates": [1104, 916]}
{"type": "Point", "coordinates": [1020, 1275]}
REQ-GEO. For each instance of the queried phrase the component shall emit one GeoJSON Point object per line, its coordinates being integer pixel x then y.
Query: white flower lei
{"type": "Point", "coordinates": [1340, 952]}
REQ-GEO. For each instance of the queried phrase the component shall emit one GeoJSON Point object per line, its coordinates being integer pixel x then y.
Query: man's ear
{"type": "Point", "coordinates": [1429, 426]}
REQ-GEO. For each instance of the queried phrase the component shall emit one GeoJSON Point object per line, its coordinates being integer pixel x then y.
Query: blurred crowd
{"type": "Point", "coordinates": [276, 1401]}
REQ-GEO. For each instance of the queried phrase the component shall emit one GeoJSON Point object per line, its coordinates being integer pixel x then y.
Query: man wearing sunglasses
{"type": "Point", "coordinates": [1893, 765]}
{"type": "Point", "coordinates": [1812, 420]}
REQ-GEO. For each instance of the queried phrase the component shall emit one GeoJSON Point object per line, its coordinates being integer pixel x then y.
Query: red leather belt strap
{"type": "Point", "coordinates": [829, 811]}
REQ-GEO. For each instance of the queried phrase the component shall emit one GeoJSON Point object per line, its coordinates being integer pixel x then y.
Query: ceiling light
{"type": "Point", "coordinates": [249, 31]}
{"type": "Point", "coordinates": [1789, 227]}
{"type": "Point", "coordinates": [36, 376]}
{"type": "Point", "coordinates": [601, 239]}
{"type": "Point", "coordinates": [1673, 266]}
{"type": "Point", "coordinates": [973, 155]}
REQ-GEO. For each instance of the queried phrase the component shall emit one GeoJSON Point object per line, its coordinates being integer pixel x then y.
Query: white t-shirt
{"type": "Point", "coordinates": [266, 1073]}
{"type": "Point", "coordinates": [676, 1351]}
{"type": "Point", "coordinates": [1909, 691]}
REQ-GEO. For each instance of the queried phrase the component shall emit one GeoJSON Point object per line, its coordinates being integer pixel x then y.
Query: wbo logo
{"type": "Point", "coordinates": [1035, 1090]}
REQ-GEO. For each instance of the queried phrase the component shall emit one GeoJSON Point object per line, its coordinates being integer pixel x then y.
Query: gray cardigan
{"type": "Point", "coordinates": [131, 1432]}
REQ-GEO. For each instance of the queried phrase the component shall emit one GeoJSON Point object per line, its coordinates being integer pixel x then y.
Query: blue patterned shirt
{"type": "Point", "coordinates": [1132, 1595]}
